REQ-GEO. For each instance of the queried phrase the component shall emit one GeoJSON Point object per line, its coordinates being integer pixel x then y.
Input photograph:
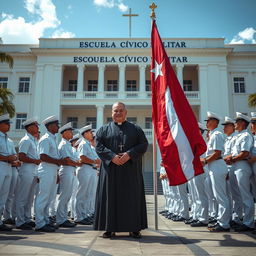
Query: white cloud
{"type": "Point", "coordinates": [18, 30]}
{"type": "Point", "coordinates": [60, 33]}
{"type": "Point", "coordinates": [122, 7]}
{"type": "Point", "coordinates": [246, 36]}
{"type": "Point", "coordinates": [111, 4]}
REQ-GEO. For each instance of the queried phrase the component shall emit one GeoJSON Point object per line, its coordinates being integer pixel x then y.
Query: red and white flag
{"type": "Point", "coordinates": [176, 128]}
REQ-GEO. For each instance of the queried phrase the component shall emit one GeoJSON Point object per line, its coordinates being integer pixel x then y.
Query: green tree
{"type": "Point", "coordinates": [6, 105]}
{"type": "Point", "coordinates": [4, 57]}
{"type": "Point", "coordinates": [252, 100]}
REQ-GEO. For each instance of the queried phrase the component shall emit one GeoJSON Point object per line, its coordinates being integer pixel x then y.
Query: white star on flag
{"type": "Point", "coordinates": [157, 70]}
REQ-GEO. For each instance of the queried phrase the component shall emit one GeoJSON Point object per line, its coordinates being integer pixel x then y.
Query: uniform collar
{"type": "Point", "coordinates": [30, 136]}
{"type": "Point", "coordinates": [66, 140]}
{"type": "Point", "coordinates": [3, 134]}
{"type": "Point", "coordinates": [51, 135]}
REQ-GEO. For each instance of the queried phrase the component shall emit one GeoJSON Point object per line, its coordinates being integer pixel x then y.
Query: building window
{"type": "Point", "coordinates": [148, 85]}
{"type": "Point", "coordinates": [20, 118]}
{"type": "Point", "coordinates": [131, 85]}
{"type": "Point", "coordinates": [72, 85]}
{"type": "Point", "coordinates": [92, 85]}
{"type": "Point", "coordinates": [187, 85]}
{"type": "Point", "coordinates": [24, 84]}
{"type": "Point", "coordinates": [148, 123]}
{"type": "Point", "coordinates": [239, 84]}
{"type": "Point", "coordinates": [74, 121]}
{"type": "Point", "coordinates": [92, 121]}
{"type": "Point", "coordinates": [132, 119]}
{"type": "Point", "coordinates": [3, 82]}
{"type": "Point", "coordinates": [112, 85]}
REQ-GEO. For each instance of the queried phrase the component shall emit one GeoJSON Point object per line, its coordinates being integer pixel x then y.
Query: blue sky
{"type": "Point", "coordinates": [24, 21]}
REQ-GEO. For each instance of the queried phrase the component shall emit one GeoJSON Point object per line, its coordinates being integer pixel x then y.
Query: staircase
{"type": "Point", "coordinates": [148, 183]}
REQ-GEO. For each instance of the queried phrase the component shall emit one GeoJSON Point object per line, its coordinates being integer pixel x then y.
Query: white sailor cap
{"type": "Point", "coordinates": [253, 117]}
{"type": "Point", "coordinates": [211, 115]}
{"type": "Point", "coordinates": [50, 119]}
{"type": "Point", "coordinates": [228, 120]}
{"type": "Point", "coordinates": [65, 127]}
{"type": "Point", "coordinates": [30, 121]}
{"type": "Point", "coordinates": [5, 118]}
{"type": "Point", "coordinates": [201, 126]}
{"type": "Point", "coordinates": [75, 137]}
{"type": "Point", "coordinates": [240, 116]}
{"type": "Point", "coordinates": [78, 142]}
{"type": "Point", "coordinates": [85, 129]}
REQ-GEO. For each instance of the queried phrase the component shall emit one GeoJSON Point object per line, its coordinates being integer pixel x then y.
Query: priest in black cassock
{"type": "Point", "coordinates": [120, 200]}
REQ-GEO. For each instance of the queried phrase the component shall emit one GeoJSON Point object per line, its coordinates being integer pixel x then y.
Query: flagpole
{"type": "Point", "coordinates": [155, 178]}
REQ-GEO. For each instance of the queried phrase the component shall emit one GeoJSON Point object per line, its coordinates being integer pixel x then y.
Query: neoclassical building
{"type": "Point", "coordinates": [79, 79]}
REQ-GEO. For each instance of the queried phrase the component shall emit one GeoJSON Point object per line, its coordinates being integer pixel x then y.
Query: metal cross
{"type": "Point", "coordinates": [130, 15]}
{"type": "Point", "coordinates": [121, 147]}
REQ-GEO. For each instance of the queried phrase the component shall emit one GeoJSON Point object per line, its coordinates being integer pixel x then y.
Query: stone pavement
{"type": "Point", "coordinates": [172, 238]}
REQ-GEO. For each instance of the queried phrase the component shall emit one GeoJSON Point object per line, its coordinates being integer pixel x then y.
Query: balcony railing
{"type": "Point", "coordinates": [193, 95]}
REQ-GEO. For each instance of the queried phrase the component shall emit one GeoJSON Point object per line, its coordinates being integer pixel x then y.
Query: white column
{"type": "Point", "coordinates": [56, 89]}
{"type": "Point", "coordinates": [142, 81]}
{"type": "Point", "coordinates": [121, 93]}
{"type": "Point", "coordinates": [101, 68]}
{"type": "Point", "coordinates": [202, 78]}
{"type": "Point", "coordinates": [38, 88]}
{"type": "Point", "coordinates": [225, 93]}
{"type": "Point", "coordinates": [179, 68]}
{"type": "Point", "coordinates": [80, 81]}
{"type": "Point", "coordinates": [100, 115]}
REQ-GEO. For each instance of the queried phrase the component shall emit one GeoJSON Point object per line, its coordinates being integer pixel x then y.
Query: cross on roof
{"type": "Point", "coordinates": [130, 15]}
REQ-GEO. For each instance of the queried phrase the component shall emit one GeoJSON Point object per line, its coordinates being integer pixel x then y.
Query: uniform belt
{"type": "Point", "coordinates": [92, 166]}
{"type": "Point", "coordinates": [6, 161]}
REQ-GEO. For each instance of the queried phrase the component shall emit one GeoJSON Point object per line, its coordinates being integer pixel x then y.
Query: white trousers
{"type": "Point", "coordinates": [166, 192]}
{"type": "Point", "coordinates": [218, 173]}
{"type": "Point", "coordinates": [92, 192]}
{"type": "Point", "coordinates": [67, 175]}
{"type": "Point", "coordinates": [192, 199]}
{"type": "Point", "coordinates": [243, 173]}
{"type": "Point", "coordinates": [184, 207]}
{"type": "Point", "coordinates": [173, 205]}
{"type": "Point", "coordinates": [72, 202]}
{"type": "Point", "coordinates": [213, 206]}
{"type": "Point", "coordinates": [85, 176]}
{"type": "Point", "coordinates": [202, 206]}
{"type": "Point", "coordinates": [10, 207]}
{"type": "Point", "coordinates": [5, 181]}
{"type": "Point", "coordinates": [47, 186]}
{"type": "Point", "coordinates": [25, 193]}
{"type": "Point", "coordinates": [236, 198]}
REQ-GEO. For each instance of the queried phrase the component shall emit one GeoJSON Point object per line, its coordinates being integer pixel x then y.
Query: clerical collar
{"type": "Point", "coordinates": [120, 123]}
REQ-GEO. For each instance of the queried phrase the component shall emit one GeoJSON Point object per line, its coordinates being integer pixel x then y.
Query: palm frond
{"type": "Point", "coordinates": [4, 57]}
{"type": "Point", "coordinates": [252, 100]}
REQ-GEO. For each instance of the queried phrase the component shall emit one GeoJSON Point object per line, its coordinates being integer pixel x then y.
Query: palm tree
{"type": "Point", "coordinates": [252, 100]}
{"type": "Point", "coordinates": [6, 105]}
{"type": "Point", "coordinates": [4, 57]}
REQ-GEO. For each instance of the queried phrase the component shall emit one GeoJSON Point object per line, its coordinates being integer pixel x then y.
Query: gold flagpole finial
{"type": "Point", "coordinates": [153, 7]}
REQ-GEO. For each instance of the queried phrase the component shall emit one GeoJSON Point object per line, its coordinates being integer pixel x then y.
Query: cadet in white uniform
{"type": "Point", "coordinates": [93, 185]}
{"type": "Point", "coordinates": [67, 174]}
{"type": "Point", "coordinates": [242, 169]}
{"type": "Point", "coordinates": [200, 197]}
{"type": "Point", "coordinates": [47, 174]}
{"type": "Point", "coordinates": [218, 172]}
{"type": "Point", "coordinates": [27, 175]}
{"type": "Point", "coordinates": [233, 190]}
{"type": "Point", "coordinates": [74, 142]}
{"type": "Point", "coordinates": [8, 158]}
{"type": "Point", "coordinates": [85, 175]}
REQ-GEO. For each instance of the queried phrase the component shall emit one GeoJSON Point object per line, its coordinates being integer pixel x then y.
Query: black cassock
{"type": "Point", "coordinates": [120, 200]}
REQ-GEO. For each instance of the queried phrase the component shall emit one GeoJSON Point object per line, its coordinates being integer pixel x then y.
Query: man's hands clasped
{"type": "Point", "coordinates": [121, 158]}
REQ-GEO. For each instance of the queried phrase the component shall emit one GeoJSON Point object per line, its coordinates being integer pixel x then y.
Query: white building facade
{"type": "Point", "coordinates": [79, 79]}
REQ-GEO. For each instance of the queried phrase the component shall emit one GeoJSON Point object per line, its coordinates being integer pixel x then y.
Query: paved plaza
{"type": "Point", "coordinates": [172, 238]}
